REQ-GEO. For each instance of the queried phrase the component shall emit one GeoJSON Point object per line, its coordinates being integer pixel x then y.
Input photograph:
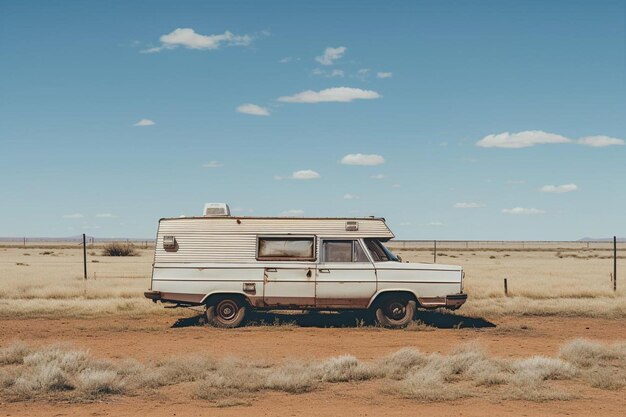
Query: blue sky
{"type": "Point", "coordinates": [459, 120]}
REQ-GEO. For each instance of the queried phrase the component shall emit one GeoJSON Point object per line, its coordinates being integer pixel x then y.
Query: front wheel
{"type": "Point", "coordinates": [226, 313]}
{"type": "Point", "coordinates": [395, 311]}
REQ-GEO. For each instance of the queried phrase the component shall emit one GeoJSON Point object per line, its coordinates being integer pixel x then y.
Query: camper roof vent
{"type": "Point", "coordinates": [216, 209]}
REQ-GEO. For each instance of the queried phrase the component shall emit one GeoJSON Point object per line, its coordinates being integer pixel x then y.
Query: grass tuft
{"type": "Point", "coordinates": [119, 249]}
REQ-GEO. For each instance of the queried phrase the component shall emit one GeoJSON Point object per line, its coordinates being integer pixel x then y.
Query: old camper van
{"type": "Point", "coordinates": [231, 264]}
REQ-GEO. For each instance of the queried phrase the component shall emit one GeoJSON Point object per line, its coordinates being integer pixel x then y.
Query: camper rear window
{"type": "Point", "coordinates": [286, 249]}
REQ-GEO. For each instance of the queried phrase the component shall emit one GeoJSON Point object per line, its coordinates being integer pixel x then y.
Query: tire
{"type": "Point", "coordinates": [227, 312]}
{"type": "Point", "coordinates": [395, 310]}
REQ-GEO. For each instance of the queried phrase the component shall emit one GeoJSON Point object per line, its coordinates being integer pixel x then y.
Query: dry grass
{"type": "Point", "coordinates": [46, 282]}
{"type": "Point", "coordinates": [608, 307]}
{"type": "Point", "coordinates": [60, 373]}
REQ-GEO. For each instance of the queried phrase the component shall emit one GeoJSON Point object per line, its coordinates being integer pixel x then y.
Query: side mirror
{"type": "Point", "coordinates": [399, 258]}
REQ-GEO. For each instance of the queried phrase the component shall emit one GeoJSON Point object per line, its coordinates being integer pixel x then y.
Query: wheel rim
{"type": "Point", "coordinates": [227, 310]}
{"type": "Point", "coordinates": [396, 309]}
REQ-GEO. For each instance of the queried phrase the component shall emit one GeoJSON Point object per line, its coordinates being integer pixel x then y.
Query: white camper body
{"type": "Point", "coordinates": [284, 262]}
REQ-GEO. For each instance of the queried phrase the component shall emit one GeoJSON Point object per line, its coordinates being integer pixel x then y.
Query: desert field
{"type": "Point", "coordinates": [556, 344]}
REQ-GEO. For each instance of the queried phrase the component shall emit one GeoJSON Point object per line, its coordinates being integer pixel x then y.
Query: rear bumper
{"type": "Point", "coordinates": [452, 301]}
{"type": "Point", "coordinates": [153, 295]}
{"type": "Point", "coordinates": [174, 297]}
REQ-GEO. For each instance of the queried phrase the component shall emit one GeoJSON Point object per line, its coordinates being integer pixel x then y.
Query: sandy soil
{"type": "Point", "coordinates": [152, 338]}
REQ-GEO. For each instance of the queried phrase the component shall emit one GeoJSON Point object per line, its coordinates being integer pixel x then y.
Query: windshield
{"type": "Point", "coordinates": [379, 252]}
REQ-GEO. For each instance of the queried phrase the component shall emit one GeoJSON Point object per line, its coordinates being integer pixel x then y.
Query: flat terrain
{"type": "Point", "coordinates": [157, 337]}
{"type": "Point", "coordinates": [556, 295]}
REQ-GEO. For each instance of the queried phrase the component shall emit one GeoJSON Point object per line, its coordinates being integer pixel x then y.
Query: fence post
{"type": "Point", "coordinates": [24, 242]}
{"type": "Point", "coordinates": [84, 256]}
{"type": "Point", "coordinates": [614, 263]}
{"type": "Point", "coordinates": [506, 288]}
{"type": "Point", "coordinates": [435, 252]}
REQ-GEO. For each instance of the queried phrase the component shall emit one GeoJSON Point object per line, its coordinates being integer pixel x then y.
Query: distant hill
{"type": "Point", "coordinates": [78, 238]}
{"type": "Point", "coordinates": [602, 239]}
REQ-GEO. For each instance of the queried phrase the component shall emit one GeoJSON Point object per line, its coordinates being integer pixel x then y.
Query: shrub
{"type": "Point", "coordinates": [14, 354]}
{"type": "Point", "coordinates": [119, 249]}
{"type": "Point", "coordinates": [94, 382]}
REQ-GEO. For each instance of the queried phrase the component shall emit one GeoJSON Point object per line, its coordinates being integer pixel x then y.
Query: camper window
{"type": "Point", "coordinates": [286, 249]}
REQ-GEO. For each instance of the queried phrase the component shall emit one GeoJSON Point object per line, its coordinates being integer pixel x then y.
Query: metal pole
{"type": "Point", "coordinates": [84, 256]}
{"type": "Point", "coordinates": [614, 263]}
{"type": "Point", "coordinates": [506, 288]}
{"type": "Point", "coordinates": [435, 253]}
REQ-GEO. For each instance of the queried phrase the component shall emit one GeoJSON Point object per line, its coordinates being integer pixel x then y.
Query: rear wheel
{"type": "Point", "coordinates": [226, 312]}
{"type": "Point", "coordinates": [395, 310]}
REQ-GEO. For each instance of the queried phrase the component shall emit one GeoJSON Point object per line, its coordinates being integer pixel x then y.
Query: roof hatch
{"type": "Point", "coordinates": [216, 210]}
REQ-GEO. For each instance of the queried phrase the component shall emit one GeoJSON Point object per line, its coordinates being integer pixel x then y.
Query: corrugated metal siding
{"type": "Point", "coordinates": [225, 240]}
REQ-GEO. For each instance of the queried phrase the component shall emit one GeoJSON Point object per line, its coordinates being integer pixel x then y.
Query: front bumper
{"type": "Point", "coordinates": [455, 301]}
{"type": "Point", "coordinates": [452, 301]}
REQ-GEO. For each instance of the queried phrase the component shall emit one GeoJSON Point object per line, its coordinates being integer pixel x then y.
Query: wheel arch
{"type": "Point", "coordinates": [382, 293]}
{"type": "Point", "coordinates": [214, 296]}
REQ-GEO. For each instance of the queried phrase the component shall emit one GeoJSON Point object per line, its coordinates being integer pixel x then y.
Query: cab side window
{"type": "Point", "coordinates": [343, 251]}
{"type": "Point", "coordinates": [378, 254]}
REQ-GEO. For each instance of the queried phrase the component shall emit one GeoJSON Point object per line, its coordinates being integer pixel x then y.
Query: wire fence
{"type": "Point", "coordinates": [547, 245]}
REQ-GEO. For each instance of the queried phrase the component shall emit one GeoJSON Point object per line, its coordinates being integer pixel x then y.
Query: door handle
{"type": "Point", "coordinates": [325, 271]}
{"type": "Point", "coordinates": [270, 269]}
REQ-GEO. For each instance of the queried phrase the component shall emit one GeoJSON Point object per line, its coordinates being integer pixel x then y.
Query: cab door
{"type": "Point", "coordinates": [346, 277]}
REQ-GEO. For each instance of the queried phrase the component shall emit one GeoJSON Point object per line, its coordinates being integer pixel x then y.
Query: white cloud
{"type": "Point", "coordinates": [350, 197]}
{"type": "Point", "coordinates": [105, 216]}
{"type": "Point", "coordinates": [565, 188]}
{"type": "Point", "coordinates": [336, 94]}
{"type": "Point", "coordinates": [144, 122]}
{"type": "Point", "coordinates": [435, 224]}
{"type": "Point", "coordinates": [73, 216]}
{"type": "Point", "coordinates": [253, 109]}
{"type": "Point", "coordinates": [329, 74]}
{"type": "Point", "coordinates": [396, 186]}
{"type": "Point", "coordinates": [90, 227]}
{"type": "Point", "coordinates": [213, 164]}
{"type": "Point", "coordinates": [189, 39]}
{"type": "Point", "coordinates": [362, 159]}
{"type": "Point", "coordinates": [600, 141]}
{"type": "Point", "coordinates": [523, 139]}
{"type": "Point", "coordinates": [363, 73]}
{"type": "Point", "coordinates": [378, 176]}
{"type": "Point", "coordinates": [292, 213]}
{"type": "Point", "coordinates": [286, 60]}
{"type": "Point", "coordinates": [530, 138]}
{"type": "Point", "coordinates": [522, 210]}
{"type": "Point", "coordinates": [304, 174]}
{"type": "Point", "coordinates": [331, 55]}
{"type": "Point", "coordinates": [384, 74]}
{"type": "Point", "coordinates": [468, 205]}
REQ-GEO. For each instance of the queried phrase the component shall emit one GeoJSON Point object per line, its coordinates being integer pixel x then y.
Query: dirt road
{"type": "Point", "coordinates": [153, 338]}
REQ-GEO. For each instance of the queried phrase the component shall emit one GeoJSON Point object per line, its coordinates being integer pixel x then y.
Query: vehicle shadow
{"type": "Point", "coordinates": [431, 318]}
{"type": "Point", "coordinates": [446, 320]}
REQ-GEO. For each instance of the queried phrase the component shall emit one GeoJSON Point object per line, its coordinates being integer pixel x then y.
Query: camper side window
{"type": "Point", "coordinates": [286, 249]}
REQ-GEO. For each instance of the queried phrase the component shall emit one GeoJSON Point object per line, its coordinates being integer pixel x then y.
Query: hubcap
{"type": "Point", "coordinates": [227, 310]}
{"type": "Point", "coordinates": [397, 310]}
